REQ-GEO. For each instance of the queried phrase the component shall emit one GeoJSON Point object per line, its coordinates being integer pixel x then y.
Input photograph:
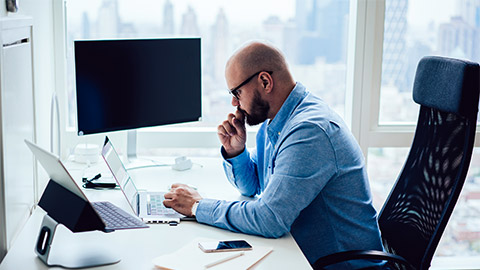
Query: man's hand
{"type": "Point", "coordinates": [232, 134]}
{"type": "Point", "coordinates": [181, 198]}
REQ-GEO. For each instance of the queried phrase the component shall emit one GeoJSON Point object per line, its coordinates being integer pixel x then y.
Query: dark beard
{"type": "Point", "coordinates": [259, 112]}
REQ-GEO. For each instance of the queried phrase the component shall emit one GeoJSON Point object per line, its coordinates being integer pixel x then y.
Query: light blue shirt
{"type": "Point", "coordinates": [310, 177]}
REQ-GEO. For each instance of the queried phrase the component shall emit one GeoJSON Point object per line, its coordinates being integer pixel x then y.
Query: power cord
{"type": "Point", "coordinates": [182, 163]}
{"type": "Point", "coordinates": [88, 183]}
{"type": "Point", "coordinates": [148, 166]}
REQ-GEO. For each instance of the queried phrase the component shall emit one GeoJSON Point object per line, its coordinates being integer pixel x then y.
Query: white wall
{"type": "Point", "coordinates": [44, 69]}
{"type": "Point", "coordinates": [44, 76]}
{"type": "Point", "coordinates": [42, 40]}
{"type": "Point", "coordinates": [42, 13]}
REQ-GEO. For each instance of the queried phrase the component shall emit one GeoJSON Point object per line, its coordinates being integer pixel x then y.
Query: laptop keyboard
{"type": "Point", "coordinates": [115, 218]}
{"type": "Point", "coordinates": [155, 206]}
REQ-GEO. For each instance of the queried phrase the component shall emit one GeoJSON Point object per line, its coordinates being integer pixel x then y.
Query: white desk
{"type": "Point", "coordinates": [139, 246]}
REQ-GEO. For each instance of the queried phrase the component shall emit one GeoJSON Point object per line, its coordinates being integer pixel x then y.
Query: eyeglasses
{"type": "Point", "coordinates": [234, 91]}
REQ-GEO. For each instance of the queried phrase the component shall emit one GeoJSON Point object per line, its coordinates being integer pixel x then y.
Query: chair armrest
{"type": "Point", "coordinates": [358, 255]}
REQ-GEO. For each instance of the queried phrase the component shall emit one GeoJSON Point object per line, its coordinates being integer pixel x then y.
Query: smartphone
{"type": "Point", "coordinates": [222, 246]}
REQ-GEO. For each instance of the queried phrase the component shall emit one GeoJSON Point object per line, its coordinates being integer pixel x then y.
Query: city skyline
{"type": "Point", "coordinates": [221, 37]}
{"type": "Point", "coordinates": [150, 10]}
{"type": "Point", "coordinates": [306, 42]}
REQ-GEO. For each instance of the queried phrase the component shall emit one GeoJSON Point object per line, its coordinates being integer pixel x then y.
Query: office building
{"type": "Point", "coordinates": [322, 30]}
{"type": "Point", "coordinates": [457, 38]}
{"type": "Point", "coordinates": [168, 26]}
{"type": "Point", "coordinates": [273, 31]}
{"type": "Point", "coordinates": [189, 26]}
{"type": "Point", "coordinates": [469, 10]}
{"type": "Point", "coordinates": [108, 19]}
{"type": "Point", "coordinates": [220, 45]}
{"type": "Point", "coordinates": [394, 45]}
{"type": "Point", "coordinates": [85, 26]}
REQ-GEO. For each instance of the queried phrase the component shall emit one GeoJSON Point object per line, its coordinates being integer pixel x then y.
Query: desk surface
{"type": "Point", "coordinates": [139, 246]}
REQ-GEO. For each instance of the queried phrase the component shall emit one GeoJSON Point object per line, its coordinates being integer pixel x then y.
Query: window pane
{"type": "Point", "coordinates": [413, 30]}
{"type": "Point", "coordinates": [384, 165]}
{"type": "Point", "coordinates": [462, 235]}
{"type": "Point", "coordinates": [311, 33]}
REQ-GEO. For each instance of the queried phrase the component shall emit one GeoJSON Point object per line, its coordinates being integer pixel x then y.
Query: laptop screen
{"type": "Point", "coordinates": [120, 174]}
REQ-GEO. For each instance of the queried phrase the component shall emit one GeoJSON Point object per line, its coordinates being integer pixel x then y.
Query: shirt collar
{"type": "Point", "coordinates": [276, 125]}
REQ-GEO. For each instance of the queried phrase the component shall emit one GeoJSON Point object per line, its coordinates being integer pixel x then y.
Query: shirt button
{"type": "Point", "coordinates": [278, 133]}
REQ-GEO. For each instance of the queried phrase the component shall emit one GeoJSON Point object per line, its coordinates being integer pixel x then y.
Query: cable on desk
{"type": "Point", "coordinates": [157, 165]}
{"type": "Point", "coordinates": [148, 166]}
{"type": "Point", "coordinates": [88, 183]}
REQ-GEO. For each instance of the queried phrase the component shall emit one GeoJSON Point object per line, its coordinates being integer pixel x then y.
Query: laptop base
{"type": "Point", "coordinates": [148, 200]}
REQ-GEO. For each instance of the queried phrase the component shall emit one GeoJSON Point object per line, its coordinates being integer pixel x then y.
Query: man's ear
{"type": "Point", "coordinates": [267, 82]}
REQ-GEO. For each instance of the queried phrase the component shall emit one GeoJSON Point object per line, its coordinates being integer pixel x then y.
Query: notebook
{"type": "Point", "coordinates": [112, 216]}
{"type": "Point", "coordinates": [145, 204]}
{"type": "Point", "coordinates": [200, 260]}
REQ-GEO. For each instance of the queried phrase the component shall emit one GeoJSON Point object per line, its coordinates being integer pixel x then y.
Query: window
{"type": "Point", "coordinates": [412, 32]}
{"type": "Point", "coordinates": [312, 34]}
{"type": "Point", "coordinates": [462, 235]}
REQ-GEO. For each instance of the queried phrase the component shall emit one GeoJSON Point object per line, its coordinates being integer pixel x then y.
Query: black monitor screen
{"type": "Point", "coordinates": [133, 83]}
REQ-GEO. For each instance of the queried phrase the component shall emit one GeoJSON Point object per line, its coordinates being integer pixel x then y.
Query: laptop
{"type": "Point", "coordinates": [112, 216]}
{"type": "Point", "coordinates": [147, 205]}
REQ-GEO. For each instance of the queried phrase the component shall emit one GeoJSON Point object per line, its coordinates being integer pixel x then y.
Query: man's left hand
{"type": "Point", "coordinates": [181, 198]}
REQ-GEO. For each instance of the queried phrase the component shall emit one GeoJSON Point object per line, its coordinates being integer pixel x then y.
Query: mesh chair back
{"type": "Point", "coordinates": [422, 200]}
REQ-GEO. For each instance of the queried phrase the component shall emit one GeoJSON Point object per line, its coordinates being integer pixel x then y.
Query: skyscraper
{"type": "Point", "coordinates": [108, 21]}
{"type": "Point", "coordinates": [394, 45]}
{"type": "Point", "coordinates": [461, 35]}
{"type": "Point", "coordinates": [469, 11]}
{"type": "Point", "coordinates": [321, 27]}
{"type": "Point", "coordinates": [302, 8]}
{"type": "Point", "coordinates": [220, 45]}
{"type": "Point", "coordinates": [273, 30]}
{"type": "Point", "coordinates": [168, 27]}
{"type": "Point", "coordinates": [85, 25]}
{"type": "Point", "coordinates": [290, 37]}
{"type": "Point", "coordinates": [458, 39]}
{"type": "Point", "coordinates": [189, 23]}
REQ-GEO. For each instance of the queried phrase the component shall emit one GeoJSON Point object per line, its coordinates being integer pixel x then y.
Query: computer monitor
{"type": "Point", "coordinates": [125, 84]}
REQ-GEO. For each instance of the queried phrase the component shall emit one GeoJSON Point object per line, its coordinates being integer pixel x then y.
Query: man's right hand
{"type": "Point", "coordinates": [232, 134]}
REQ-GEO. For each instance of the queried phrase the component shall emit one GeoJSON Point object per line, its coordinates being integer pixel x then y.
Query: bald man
{"type": "Point", "coordinates": [307, 170]}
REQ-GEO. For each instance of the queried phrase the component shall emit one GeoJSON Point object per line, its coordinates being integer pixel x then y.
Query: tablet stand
{"type": "Point", "coordinates": [88, 256]}
{"type": "Point", "coordinates": [65, 207]}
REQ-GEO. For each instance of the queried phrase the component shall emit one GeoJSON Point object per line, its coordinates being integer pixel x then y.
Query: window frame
{"type": "Point", "coordinates": [362, 97]}
{"type": "Point", "coordinates": [365, 66]}
{"type": "Point", "coordinates": [366, 59]}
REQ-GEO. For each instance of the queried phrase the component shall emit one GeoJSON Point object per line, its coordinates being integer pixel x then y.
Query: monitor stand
{"type": "Point", "coordinates": [132, 146]}
{"type": "Point", "coordinates": [84, 254]}
{"type": "Point", "coordinates": [133, 162]}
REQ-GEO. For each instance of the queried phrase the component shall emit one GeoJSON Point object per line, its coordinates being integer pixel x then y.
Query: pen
{"type": "Point", "coordinates": [226, 259]}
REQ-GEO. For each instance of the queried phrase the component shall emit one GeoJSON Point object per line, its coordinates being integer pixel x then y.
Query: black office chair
{"type": "Point", "coordinates": [417, 210]}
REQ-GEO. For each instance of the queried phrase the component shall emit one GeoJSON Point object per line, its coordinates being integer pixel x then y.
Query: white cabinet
{"type": "Point", "coordinates": [17, 168]}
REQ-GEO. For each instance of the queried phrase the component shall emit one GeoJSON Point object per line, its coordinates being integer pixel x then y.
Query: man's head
{"type": "Point", "coordinates": [258, 77]}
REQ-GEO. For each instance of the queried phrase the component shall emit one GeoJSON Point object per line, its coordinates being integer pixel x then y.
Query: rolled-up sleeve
{"type": "Point", "coordinates": [252, 217]}
{"type": "Point", "coordinates": [300, 167]}
{"type": "Point", "coordinates": [241, 172]}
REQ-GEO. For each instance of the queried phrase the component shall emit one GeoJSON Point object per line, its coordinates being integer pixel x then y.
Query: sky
{"type": "Point", "coordinates": [420, 12]}
{"type": "Point", "coordinates": [148, 10]}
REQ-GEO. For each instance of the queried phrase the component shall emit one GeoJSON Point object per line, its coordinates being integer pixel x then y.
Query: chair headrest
{"type": "Point", "coordinates": [447, 84]}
